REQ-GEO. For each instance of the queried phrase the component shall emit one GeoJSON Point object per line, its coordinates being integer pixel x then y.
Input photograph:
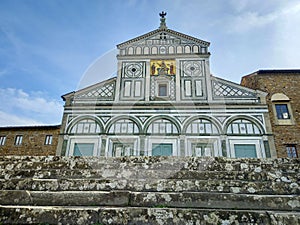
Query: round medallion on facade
{"type": "Point", "coordinates": [134, 70]}
{"type": "Point", "coordinates": [193, 68]}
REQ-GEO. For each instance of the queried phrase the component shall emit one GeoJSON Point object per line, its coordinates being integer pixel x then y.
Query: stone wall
{"type": "Point", "coordinates": [286, 82]}
{"type": "Point", "coordinates": [33, 140]}
{"type": "Point", "coordinates": [148, 190]}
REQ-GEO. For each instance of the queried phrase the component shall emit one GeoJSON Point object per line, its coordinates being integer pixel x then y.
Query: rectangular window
{"type": "Point", "coordinates": [202, 149]}
{"type": "Point", "coordinates": [2, 140]}
{"type": "Point", "coordinates": [198, 84]}
{"type": "Point", "coordinates": [282, 111]}
{"type": "Point", "coordinates": [122, 149]}
{"type": "Point", "coordinates": [245, 150]}
{"type": "Point", "coordinates": [48, 140]}
{"type": "Point", "coordinates": [291, 151]}
{"type": "Point", "coordinates": [137, 88]}
{"type": "Point", "coordinates": [162, 149]}
{"type": "Point", "coordinates": [188, 88]}
{"type": "Point", "coordinates": [162, 90]}
{"type": "Point", "coordinates": [83, 149]}
{"type": "Point", "coordinates": [18, 140]}
{"type": "Point", "coordinates": [127, 88]}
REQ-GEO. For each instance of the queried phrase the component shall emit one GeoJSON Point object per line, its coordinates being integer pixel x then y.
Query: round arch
{"type": "Point", "coordinates": [279, 97]}
{"type": "Point", "coordinates": [243, 120]}
{"type": "Point", "coordinates": [171, 49]}
{"type": "Point", "coordinates": [130, 51]}
{"type": "Point", "coordinates": [195, 49]}
{"type": "Point", "coordinates": [146, 50]}
{"type": "Point", "coordinates": [187, 49]}
{"type": "Point", "coordinates": [173, 121]}
{"type": "Point", "coordinates": [213, 121]}
{"type": "Point", "coordinates": [130, 128]}
{"type": "Point", "coordinates": [88, 119]}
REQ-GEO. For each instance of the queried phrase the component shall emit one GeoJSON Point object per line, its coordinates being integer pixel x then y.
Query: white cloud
{"type": "Point", "coordinates": [247, 20]}
{"type": "Point", "coordinates": [286, 41]}
{"type": "Point", "coordinates": [21, 108]}
{"type": "Point", "coordinates": [7, 119]}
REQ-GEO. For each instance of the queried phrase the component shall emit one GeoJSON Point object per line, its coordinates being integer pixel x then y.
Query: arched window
{"type": "Point", "coordinates": [130, 51]}
{"type": "Point", "coordinates": [243, 127]}
{"type": "Point", "coordinates": [123, 126]}
{"type": "Point", "coordinates": [171, 50]}
{"type": "Point", "coordinates": [195, 49]}
{"type": "Point", "coordinates": [138, 50]}
{"type": "Point", "coordinates": [154, 50]}
{"type": "Point", "coordinates": [162, 126]}
{"type": "Point", "coordinates": [86, 126]}
{"type": "Point", "coordinates": [201, 127]}
{"type": "Point", "coordinates": [187, 49]}
{"type": "Point", "coordinates": [146, 50]}
{"type": "Point", "coordinates": [179, 49]}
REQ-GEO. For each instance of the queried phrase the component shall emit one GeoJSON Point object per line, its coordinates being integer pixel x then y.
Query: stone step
{"type": "Point", "coordinates": [165, 185]}
{"type": "Point", "coordinates": [151, 174]}
{"type": "Point", "coordinates": [204, 200]}
{"type": "Point", "coordinates": [149, 159]}
{"type": "Point", "coordinates": [140, 215]}
{"type": "Point", "coordinates": [65, 198]}
{"type": "Point", "coordinates": [208, 164]}
{"type": "Point", "coordinates": [215, 201]}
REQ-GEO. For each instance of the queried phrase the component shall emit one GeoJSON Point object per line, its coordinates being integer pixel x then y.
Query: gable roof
{"type": "Point", "coordinates": [103, 90]}
{"type": "Point", "coordinates": [157, 31]}
{"type": "Point", "coordinates": [224, 89]}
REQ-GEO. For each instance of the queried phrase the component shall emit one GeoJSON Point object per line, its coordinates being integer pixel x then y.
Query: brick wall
{"type": "Point", "coordinates": [288, 83]}
{"type": "Point", "coordinates": [33, 140]}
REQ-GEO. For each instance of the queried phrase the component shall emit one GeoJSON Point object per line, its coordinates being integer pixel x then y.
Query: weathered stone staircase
{"type": "Point", "coordinates": [148, 190]}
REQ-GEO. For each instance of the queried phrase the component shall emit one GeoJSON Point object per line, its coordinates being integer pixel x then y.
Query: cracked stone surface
{"type": "Point", "coordinates": [148, 190]}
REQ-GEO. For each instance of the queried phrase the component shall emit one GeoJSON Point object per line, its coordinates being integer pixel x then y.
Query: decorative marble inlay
{"type": "Point", "coordinates": [106, 91]}
{"type": "Point", "coordinates": [192, 68]}
{"type": "Point", "coordinates": [226, 90]}
{"type": "Point", "coordinates": [133, 69]}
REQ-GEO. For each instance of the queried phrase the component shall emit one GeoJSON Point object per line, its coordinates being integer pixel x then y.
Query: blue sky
{"type": "Point", "coordinates": [48, 47]}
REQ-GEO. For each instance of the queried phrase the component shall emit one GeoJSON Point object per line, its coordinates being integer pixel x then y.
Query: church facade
{"type": "Point", "coordinates": [164, 101]}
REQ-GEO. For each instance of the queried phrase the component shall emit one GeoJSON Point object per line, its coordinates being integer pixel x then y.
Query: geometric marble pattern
{"type": "Point", "coordinates": [106, 92]}
{"type": "Point", "coordinates": [222, 118]}
{"type": "Point", "coordinates": [191, 68]}
{"type": "Point", "coordinates": [133, 69]}
{"type": "Point", "coordinates": [153, 83]}
{"type": "Point", "coordinates": [226, 90]}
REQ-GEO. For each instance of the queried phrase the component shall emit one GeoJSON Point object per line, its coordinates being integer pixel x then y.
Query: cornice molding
{"type": "Point", "coordinates": [157, 31]}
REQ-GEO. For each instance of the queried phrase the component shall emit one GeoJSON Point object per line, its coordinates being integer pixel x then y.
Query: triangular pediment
{"type": "Point", "coordinates": [223, 89]}
{"type": "Point", "coordinates": [164, 38]}
{"type": "Point", "coordinates": [103, 91]}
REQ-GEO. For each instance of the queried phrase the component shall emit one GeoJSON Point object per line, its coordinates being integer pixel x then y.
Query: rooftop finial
{"type": "Point", "coordinates": [163, 24]}
{"type": "Point", "coordinates": [163, 14]}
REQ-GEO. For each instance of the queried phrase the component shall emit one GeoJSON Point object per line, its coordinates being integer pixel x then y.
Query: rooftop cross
{"type": "Point", "coordinates": [163, 20]}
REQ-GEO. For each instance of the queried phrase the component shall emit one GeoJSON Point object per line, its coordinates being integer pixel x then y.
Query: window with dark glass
{"type": "Point", "coordinates": [282, 111]}
{"type": "Point", "coordinates": [291, 151]}
{"type": "Point", "coordinates": [18, 140]}
{"type": "Point", "coordinates": [2, 140]}
{"type": "Point", "coordinates": [83, 149]}
{"type": "Point", "coordinates": [162, 90]}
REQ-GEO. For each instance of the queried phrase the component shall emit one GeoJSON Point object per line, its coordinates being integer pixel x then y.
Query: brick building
{"type": "Point", "coordinates": [283, 102]}
{"type": "Point", "coordinates": [29, 140]}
